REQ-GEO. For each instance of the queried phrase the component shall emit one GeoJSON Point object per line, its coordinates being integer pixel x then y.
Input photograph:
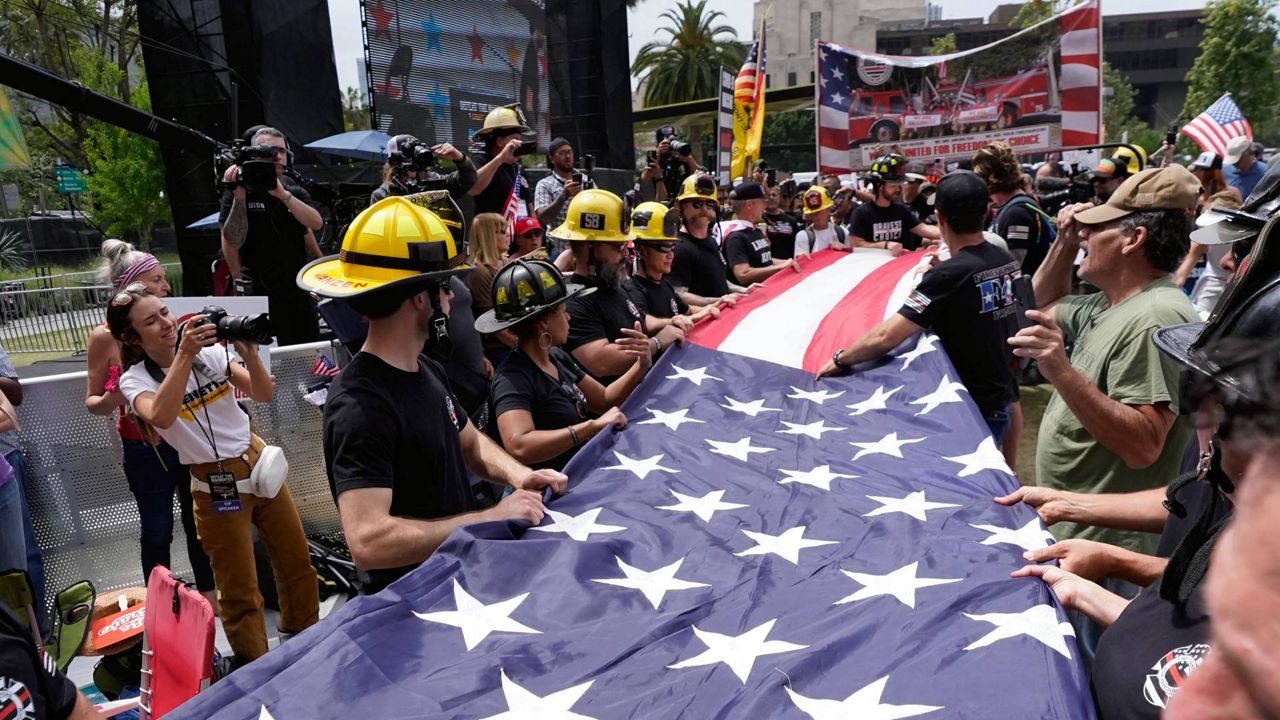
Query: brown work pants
{"type": "Point", "coordinates": [227, 540]}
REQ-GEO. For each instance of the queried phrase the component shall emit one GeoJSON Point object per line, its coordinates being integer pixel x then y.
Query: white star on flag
{"type": "Point", "coordinates": [914, 504]}
{"type": "Point", "coordinates": [835, 72]}
{"type": "Point", "coordinates": [875, 402]}
{"type": "Point", "coordinates": [1028, 537]}
{"type": "Point", "coordinates": [926, 344]}
{"type": "Point", "coordinates": [265, 714]}
{"type": "Point", "coordinates": [655, 584]}
{"type": "Point", "coordinates": [786, 546]}
{"type": "Point", "coordinates": [577, 527]}
{"type": "Point", "coordinates": [813, 429]}
{"type": "Point", "coordinates": [822, 81]}
{"type": "Point", "coordinates": [477, 620]}
{"type": "Point", "coordinates": [672, 420]}
{"type": "Point", "coordinates": [523, 704]}
{"type": "Point", "coordinates": [887, 445]}
{"type": "Point", "coordinates": [986, 457]}
{"type": "Point", "coordinates": [641, 468]}
{"type": "Point", "coordinates": [695, 376]}
{"type": "Point", "coordinates": [947, 392]}
{"type": "Point", "coordinates": [704, 507]}
{"type": "Point", "coordinates": [901, 584]}
{"type": "Point", "coordinates": [817, 396]}
{"type": "Point", "coordinates": [819, 477]}
{"type": "Point", "coordinates": [863, 705]}
{"type": "Point", "coordinates": [740, 450]}
{"type": "Point", "coordinates": [1040, 622]}
{"type": "Point", "coordinates": [738, 652]}
{"type": "Point", "coordinates": [752, 408]}
{"type": "Point", "coordinates": [837, 98]}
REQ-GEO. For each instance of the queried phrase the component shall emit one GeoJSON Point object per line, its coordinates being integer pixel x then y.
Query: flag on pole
{"type": "Point", "coordinates": [13, 146]}
{"type": "Point", "coordinates": [753, 545]}
{"type": "Point", "coordinates": [1217, 125]}
{"type": "Point", "coordinates": [748, 106]}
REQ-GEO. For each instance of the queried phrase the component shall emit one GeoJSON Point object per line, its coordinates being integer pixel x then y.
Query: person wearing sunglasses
{"type": "Point", "coordinates": [546, 404]}
{"type": "Point", "coordinates": [151, 465]}
{"type": "Point", "coordinates": [655, 228]}
{"type": "Point", "coordinates": [180, 383]}
{"type": "Point", "coordinates": [698, 267]}
{"type": "Point", "coordinates": [527, 241]}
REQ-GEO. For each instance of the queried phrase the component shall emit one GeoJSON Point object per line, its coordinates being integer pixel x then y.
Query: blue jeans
{"type": "Point", "coordinates": [35, 561]}
{"type": "Point", "coordinates": [154, 473]}
{"type": "Point", "coordinates": [13, 541]}
{"type": "Point", "coordinates": [998, 423]}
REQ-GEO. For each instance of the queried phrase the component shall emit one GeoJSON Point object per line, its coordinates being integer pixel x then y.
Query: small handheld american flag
{"type": "Point", "coordinates": [1217, 125]}
{"type": "Point", "coordinates": [324, 367]}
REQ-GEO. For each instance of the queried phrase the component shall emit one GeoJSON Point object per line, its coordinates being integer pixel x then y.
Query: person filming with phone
{"type": "Point", "coordinates": [180, 382]}
{"type": "Point", "coordinates": [500, 181]}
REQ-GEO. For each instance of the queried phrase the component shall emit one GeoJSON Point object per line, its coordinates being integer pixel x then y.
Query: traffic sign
{"type": "Point", "coordinates": [70, 180]}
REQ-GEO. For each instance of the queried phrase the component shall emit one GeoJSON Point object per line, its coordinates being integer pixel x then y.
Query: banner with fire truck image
{"type": "Point", "coordinates": [1039, 89]}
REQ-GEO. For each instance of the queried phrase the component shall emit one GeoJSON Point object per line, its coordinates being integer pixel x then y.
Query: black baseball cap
{"type": "Point", "coordinates": [664, 132]}
{"type": "Point", "coordinates": [960, 192]}
{"type": "Point", "coordinates": [748, 191]}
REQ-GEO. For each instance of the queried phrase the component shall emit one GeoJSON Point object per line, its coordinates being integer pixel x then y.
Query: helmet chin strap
{"type": "Point", "coordinates": [438, 326]}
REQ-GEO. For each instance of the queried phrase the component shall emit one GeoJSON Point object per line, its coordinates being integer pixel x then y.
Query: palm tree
{"type": "Point", "coordinates": [687, 66]}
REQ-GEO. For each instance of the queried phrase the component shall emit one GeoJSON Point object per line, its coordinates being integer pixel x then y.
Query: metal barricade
{"type": "Point", "coordinates": [85, 518]}
{"type": "Point", "coordinates": [51, 319]}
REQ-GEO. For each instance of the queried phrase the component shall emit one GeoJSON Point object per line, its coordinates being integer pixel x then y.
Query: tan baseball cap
{"type": "Point", "coordinates": [1170, 188]}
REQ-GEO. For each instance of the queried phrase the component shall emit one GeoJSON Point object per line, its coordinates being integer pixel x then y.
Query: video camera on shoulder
{"type": "Point", "coordinates": [249, 328]}
{"type": "Point", "coordinates": [256, 165]}
{"type": "Point", "coordinates": [1057, 193]}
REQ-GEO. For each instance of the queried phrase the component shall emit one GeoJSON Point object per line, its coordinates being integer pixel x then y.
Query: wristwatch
{"type": "Point", "coordinates": [835, 360]}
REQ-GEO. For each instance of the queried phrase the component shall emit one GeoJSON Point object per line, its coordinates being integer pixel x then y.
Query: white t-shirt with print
{"type": "Point", "coordinates": [822, 239]}
{"type": "Point", "coordinates": [209, 401]}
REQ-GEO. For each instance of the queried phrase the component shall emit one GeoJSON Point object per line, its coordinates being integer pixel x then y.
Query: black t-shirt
{"type": "Point", "coordinates": [781, 229]}
{"type": "Point", "coordinates": [274, 247]}
{"type": "Point", "coordinates": [464, 365]}
{"type": "Point", "coordinates": [699, 267]}
{"type": "Point", "coordinates": [878, 224]}
{"type": "Point", "coordinates": [387, 428]}
{"type": "Point", "coordinates": [602, 314]}
{"type": "Point", "coordinates": [27, 689]}
{"type": "Point", "coordinates": [749, 246]}
{"type": "Point", "coordinates": [658, 299]}
{"type": "Point", "coordinates": [968, 301]}
{"type": "Point", "coordinates": [493, 199]}
{"type": "Point", "coordinates": [921, 207]}
{"type": "Point", "coordinates": [1151, 649]}
{"type": "Point", "coordinates": [1019, 224]}
{"type": "Point", "coordinates": [554, 404]}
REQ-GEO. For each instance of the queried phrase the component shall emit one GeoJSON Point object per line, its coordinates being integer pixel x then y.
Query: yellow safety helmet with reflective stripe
{"type": "Point", "coordinates": [508, 117]}
{"type": "Point", "coordinates": [393, 241]}
{"type": "Point", "coordinates": [595, 216]}
{"type": "Point", "coordinates": [698, 187]}
{"type": "Point", "coordinates": [1133, 164]}
{"type": "Point", "coordinates": [816, 200]}
{"type": "Point", "coordinates": [653, 222]}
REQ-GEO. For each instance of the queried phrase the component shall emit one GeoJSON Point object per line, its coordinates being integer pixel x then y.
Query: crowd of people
{"type": "Point", "coordinates": [499, 353]}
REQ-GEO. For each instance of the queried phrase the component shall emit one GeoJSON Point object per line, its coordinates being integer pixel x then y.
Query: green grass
{"type": "Point", "coordinates": [1034, 400]}
{"type": "Point", "coordinates": [89, 265]}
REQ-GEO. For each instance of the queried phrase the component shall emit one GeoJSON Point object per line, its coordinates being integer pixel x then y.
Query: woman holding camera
{"type": "Point", "coordinates": [546, 404]}
{"type": "Point", "coordinates": [151, 465]}
{"type": "Point", "coordinates": [489, 243]}
{"type": "Point", "coordinates": [180, 383]}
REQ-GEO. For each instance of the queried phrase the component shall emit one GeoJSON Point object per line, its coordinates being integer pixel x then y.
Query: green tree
{"type": "Point", "coordinates": [943, 44]}
{"type": "Point", "coordinates": [1118, 119]}
{"type": "Point", "coordinates": [686, 65]}
{"type": "Point", "coordinates": [355, 111]}
{"type": "Point", "coordinates": [1238, 55]}
{"type": "Point", "coordinates": [126, 178]}
{"type": "Point", "coordinates": [795, 127]}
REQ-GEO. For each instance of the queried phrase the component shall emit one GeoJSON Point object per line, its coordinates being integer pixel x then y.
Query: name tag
{"type": "Point", "coordinates": [223, 491]}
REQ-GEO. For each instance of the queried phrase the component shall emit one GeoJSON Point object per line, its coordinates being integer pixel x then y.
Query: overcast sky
{"type": "Point", "coordinates": [644, 21]}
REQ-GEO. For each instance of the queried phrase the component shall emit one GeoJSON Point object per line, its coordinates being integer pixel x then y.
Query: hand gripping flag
{"type": "Point", "coordinates": [752, 545]}
{"type": "Point", "coordinates": [748, 107]}
{"type": "Point", "coordinates": [1217, 125]}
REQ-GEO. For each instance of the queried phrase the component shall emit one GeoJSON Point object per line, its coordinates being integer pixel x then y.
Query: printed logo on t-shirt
{"type": "Point", "coordinates": [886, 231]}
{"type": "Point", "coordinates": [453, 414]}
{"type": "Point", "coordinates": [761, 247]}
{"type": "Point", "coordinates": [635, 311]}
{"type": "Point", "coordinates": [256, 206]}
{"type": "Point", "coordinates": [1171, 672]}
{"type": "Point", "coordinates": [675, 309]}
{"type": "Point", "coordinates": [206, 394]}
{"type": "Point", "coordinates": [16, 702]}
{"type": "Point", "coordinates": [995, 290]}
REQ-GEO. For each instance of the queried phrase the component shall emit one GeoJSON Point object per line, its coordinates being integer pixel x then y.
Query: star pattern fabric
{"type": "Point", "coordinates": [863, 704]}
{"type": "Point", "coordinates": [1031, 536]}
{"type": "Point", "coordinates": [813, 429]}
{"type": "Point", "coordinates": [654, 584]}
{"type": "Point", "coordinates": [986, 457]}
{"type": "Point", "coordinates": [740, 450]}
{"type": "Point", "coordinates": [948, 391]}
{"type": "Point", "coordinates": [673, 420]}
{"type": "Point", "coordinates": [1041, 623]}
{"type": "Point", "coordinates": [640, 467]}
{"type": "Point", "coordinates": [577, 527]}
{"type": "Point", "coordinates": [786, 546]}
{"type": "Point", "coordinates": [704, 507]}
{"type": "Point", "coordinates": [814, 396]}
{"type": "Point", "coordinates": [914, 504]}
{"type": "Point", "coordinates": [819, 477]}
{"type": "Point", "coordinates": [739, 652]}
{"type": "Point", "coordinates": [478, 620]}
{"type": "Point", "coordinates": [877, 401]}
{"type": "Point", "coordinates": [925, 345]}
{"type": "Point", "coordinates": [900, 584]}
{"type": "Point", "coordinates": [697, 376]}
{"type": "Point", "coordinates": [887, 445]}
{"type": "Point", "coordinates": [753, 408]}
{"type": "Point", "coordinates": [522, 704]}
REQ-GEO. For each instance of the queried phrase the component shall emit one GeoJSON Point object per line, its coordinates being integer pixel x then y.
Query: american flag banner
{"type": "Point", "coordinates": [1217, 125]}
{"type": "Point", "coordinates": [325, 367]}
{"type": "Point", "coordinates": [754, 544]}
{"type": "Point", "coordinates": [748, 106]}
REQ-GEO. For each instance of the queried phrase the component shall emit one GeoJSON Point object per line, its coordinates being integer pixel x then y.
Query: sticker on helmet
{"type": "Point", "coordinates": [502, 296]}
{"type": "Point", "coordinates": [670, 224]}
{"type": "Point", "coordinates": [548, 282]}
{"type": "Point", "coordinates": [642, 218]}
{"type": "Point", "coordinates": [591, 221]}
{"type": "Point", "coordinates": [813, 200]}
{"type": "Point", "coordinates": [523, 289]}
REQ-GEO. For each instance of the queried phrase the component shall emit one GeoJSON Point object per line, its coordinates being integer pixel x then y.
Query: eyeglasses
{"type": "Point", "coordinates": [127, 295]}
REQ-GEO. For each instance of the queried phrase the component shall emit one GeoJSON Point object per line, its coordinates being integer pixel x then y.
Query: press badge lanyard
{"type": "Point", "coordinates": [222, 484]}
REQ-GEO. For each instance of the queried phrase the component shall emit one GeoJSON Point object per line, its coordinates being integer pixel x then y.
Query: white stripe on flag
{"type": "Point", "coordinates": [1080, 120]}
{"type": "Point", "coordinates": [829, 117]}
{"type": "Point", "coordinates": [783, 328]}
{"type": "Point", "coordinates": [1210, 131]}
{"type": "Point", "coordinates": [833, 157]}
{"type": "Point", "coordinates": [1077, 75]}
{"type": "Point", "coordinates": [900, 293]}
{"type": "Point", "coordinates": [1080, 42]}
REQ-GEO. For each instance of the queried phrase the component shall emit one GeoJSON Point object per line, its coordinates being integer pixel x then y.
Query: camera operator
{"type": "Point", "coordinates": [179, 383]}
{"type": "Point", "coordinates": [551, 196]}
{"type": "Point", "coordinates": [674, 159]}
{"type": "Point", "coordinates": [411, 167]}
{"type": "Point", "coordinates": [500, 181]}
{"type": "Point", "coordinates": [267, 236]}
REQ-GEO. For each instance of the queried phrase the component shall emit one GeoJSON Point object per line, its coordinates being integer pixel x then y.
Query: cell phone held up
{"type": "Point", "coordinates": [1024, 299]}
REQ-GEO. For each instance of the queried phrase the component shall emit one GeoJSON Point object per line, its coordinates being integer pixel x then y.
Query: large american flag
{"type": "Point", "coordinates": [753, 545]}
{"type": "Point", "coordinates": [1215, 127]}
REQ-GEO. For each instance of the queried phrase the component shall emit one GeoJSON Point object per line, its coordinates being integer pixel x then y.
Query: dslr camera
{"type": "Point", "coordinates": [414, 155]}
{"type": "Point", "coordinates": [256, 164]}
{"type": "Point", "coordinates": [249, 328]}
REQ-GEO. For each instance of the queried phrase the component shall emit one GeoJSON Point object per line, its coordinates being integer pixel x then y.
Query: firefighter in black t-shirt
{"type": "Point", "coordinates": [500, 179]}
{"type": "Point", "coordinates": [30, 689]}
{"type": "Point", "coordinates": [597, 227]}
{"type": "Point", "coordinates": [698, 268]}
{"type": "Point", "coordinates": [746, 250]}
{"type": "Point", "coordinates": [397, 443]}
{"type": "Point", "coordinates": [654, 227]}
{"type": "Point", "coordinates": [780, 226]}
{"type": "Point", "coordinates": [886, 223]}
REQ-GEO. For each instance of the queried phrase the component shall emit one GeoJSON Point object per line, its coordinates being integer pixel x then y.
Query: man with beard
{"type": "Point", "coordinates": [654, 227]}
{"type": "Point", "coordinates": [780, 226]}
{"type": "Point", "coordinates": [698, 268]}
{"type": "Point", "coordinates": [886, 223]}
{"type": "Point", "coordinates": [746, 249]}
{"type": "Point", "coordinates": [596, 225]}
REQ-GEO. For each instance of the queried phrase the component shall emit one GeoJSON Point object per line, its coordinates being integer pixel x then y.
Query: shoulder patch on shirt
{"type": "Point", "coordinates": [918, 301]}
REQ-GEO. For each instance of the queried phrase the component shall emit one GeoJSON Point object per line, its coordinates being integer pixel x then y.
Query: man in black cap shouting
{"type": "Point", "coordinates": [746, 249]}
{"type": "Point", "coordinates": [967, 300]}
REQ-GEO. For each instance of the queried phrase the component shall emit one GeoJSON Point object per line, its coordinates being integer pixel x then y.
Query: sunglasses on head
{"type": "Point", "coordinates": [127, 295]}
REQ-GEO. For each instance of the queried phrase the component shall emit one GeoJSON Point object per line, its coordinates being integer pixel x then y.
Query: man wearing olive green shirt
{"type": "Point", "coordinates": [1113, 423]}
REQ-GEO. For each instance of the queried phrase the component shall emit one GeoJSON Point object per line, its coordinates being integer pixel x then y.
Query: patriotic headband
{"type": "Point", "coordinates": [147, 262]}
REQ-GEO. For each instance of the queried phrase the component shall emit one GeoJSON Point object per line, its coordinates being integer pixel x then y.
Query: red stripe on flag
{"type": "Point", "coordinates": [854, 315]}
{"type": "Point", "coordinates": [711, 333]}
